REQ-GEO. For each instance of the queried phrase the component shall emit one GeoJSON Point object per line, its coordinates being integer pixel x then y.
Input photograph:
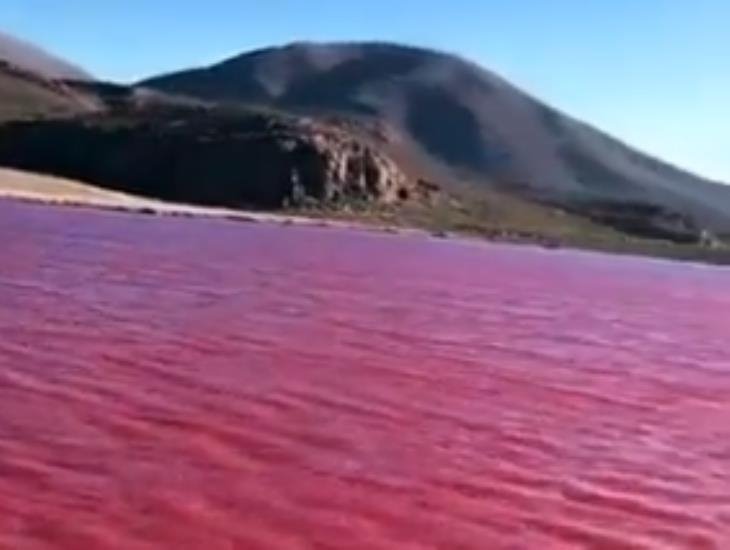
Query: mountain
{"type": "Point", "coordinates": [466, 121]}
{"type": "Point", "coordinates": [23, 55]}
{"type": "Point", "coordinates": [393, 134]}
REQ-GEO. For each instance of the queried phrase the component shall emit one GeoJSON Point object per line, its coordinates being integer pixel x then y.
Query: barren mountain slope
{"type": "Point", "coordinates": [460, 116]}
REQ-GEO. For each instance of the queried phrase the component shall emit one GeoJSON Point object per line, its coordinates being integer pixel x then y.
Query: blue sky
{"type": "Point", "coordinates": [655, 73]}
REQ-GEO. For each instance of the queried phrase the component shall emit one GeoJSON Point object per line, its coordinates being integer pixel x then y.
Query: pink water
{"type": "Point", "coordinates": [176, 383]}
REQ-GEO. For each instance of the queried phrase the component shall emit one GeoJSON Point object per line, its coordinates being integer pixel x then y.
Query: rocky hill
{"type": "Point", "coordinates": [398, 135]}
{"type": "Point", "coordinates": [461, 117]}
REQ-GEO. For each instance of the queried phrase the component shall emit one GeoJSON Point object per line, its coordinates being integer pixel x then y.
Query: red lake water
{"type": "Point", "coordinates": [205, 384]}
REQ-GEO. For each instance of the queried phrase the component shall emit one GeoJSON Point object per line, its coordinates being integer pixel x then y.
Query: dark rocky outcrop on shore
{"type": "Point", "coordinates": [232, 158]}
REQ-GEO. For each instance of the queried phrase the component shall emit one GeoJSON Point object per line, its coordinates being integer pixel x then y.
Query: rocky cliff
{"type": "Point", "coordinates": [236, 158]}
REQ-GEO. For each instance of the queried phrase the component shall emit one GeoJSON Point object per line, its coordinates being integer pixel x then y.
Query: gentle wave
{"type": "Point", "coordinates": [208, 384]}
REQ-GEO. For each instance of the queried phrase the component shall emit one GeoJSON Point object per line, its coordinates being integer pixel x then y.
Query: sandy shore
{"type": "Point", "coordinates": [19, 185]}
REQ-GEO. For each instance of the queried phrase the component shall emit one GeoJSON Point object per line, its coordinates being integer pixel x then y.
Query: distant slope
{"type": "Point", "coordinates": [26, 95]}
{"type": "Point", "coordinates": [34, 83]}
{"type": "Point", "coordinates": [21, 54]}
{"type": "Point", "coordinates": [460, 116]}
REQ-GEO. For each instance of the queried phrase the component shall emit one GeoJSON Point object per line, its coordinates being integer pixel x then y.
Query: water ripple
{"type": "Point", "coordinates": [205, 384]}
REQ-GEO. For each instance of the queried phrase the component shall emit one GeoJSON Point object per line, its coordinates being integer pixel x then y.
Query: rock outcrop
{"type": "Point", "coordinates": [333, 166]}
{"type": "Point", "coordinates": [234, 158]}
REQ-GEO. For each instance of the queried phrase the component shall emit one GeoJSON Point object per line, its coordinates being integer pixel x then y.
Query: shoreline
{"type": "Point", "coordinates": [26, 187]}
{"type": "Point", "coordinates": [23, 187]}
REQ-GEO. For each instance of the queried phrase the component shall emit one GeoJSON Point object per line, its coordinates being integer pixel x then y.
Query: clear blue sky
{"type": "Point", "coordinates": [655, 73]}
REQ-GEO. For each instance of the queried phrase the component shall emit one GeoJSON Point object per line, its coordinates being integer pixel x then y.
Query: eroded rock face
{"type": "Point", "coordinates": [201, 156]}
{"type": "Point", "coordinates": [335, 167]}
